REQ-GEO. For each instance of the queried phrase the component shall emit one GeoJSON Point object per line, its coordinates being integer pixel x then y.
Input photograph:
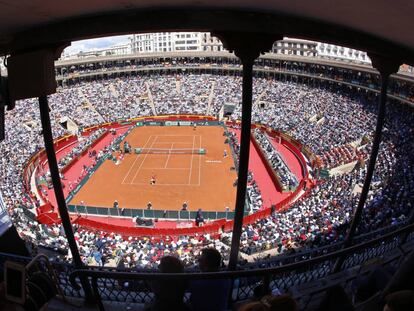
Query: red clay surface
{"type": "Point", "coordinates": [204, 181]}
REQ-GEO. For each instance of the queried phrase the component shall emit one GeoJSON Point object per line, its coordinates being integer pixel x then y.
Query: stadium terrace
{"type": "Point", "coordinates": [246, 174]}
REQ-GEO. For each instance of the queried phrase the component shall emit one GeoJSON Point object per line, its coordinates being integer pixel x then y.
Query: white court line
{"type": "Point", "coordinates": [178, 136]}
{"type": "Point", "coordinates": [191, 163]}
{"type": "Point", "coordinates": [133, 164]}
{"type": "Point", "coordinates": [169, 155]}
{"type": "Point", "coordinates": [199, 165]}
{"type": "Point", "coordinates": [168, 168]}
{"type": "Point", "coordinates": [170, 142]}
{"type": "Point", "coordinates": [158, 184]}
{"type": "Point", "coordinates": [139, 168]}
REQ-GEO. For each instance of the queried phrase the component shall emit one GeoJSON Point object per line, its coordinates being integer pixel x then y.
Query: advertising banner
{"type": "Point", "coordinates": [171, 123]}
{"type": "Point", "coordinates": [186, 123]}
{"type": "Point", "coordinates": [154, 123]}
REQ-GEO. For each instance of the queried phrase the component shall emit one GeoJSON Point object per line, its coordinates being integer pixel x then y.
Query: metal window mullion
{"type": "Point", "coordinates": [243, 161]}
{"type": "Point", "coordinates": [57, 185]}
{"type": "Point", "coordinates": [60, 198]}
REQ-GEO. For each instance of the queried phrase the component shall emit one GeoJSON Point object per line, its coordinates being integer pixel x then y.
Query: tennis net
{"type": "Point", "coordinates": [170, 151]}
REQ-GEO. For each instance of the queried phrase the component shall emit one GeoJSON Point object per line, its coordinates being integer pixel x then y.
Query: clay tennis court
{"type": "Point", "coordinates": [203, 180]}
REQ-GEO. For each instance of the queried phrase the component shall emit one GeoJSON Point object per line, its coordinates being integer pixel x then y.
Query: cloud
{"type": "Point", "coordinates": [95, 44]}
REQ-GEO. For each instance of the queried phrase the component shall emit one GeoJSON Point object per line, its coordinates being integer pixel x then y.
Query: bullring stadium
{"type": "Point", "coordinates": [295, 169]}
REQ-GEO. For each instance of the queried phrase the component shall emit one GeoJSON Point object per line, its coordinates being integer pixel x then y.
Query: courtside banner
{"type": "Point", "coordinates": [5, 222]}
{"type": "Point", "coordinates": [171, 123]}
{"type": "Point", "coordinates": [186, 123]}
{"type": "Point", "coordinates": [154, 123]}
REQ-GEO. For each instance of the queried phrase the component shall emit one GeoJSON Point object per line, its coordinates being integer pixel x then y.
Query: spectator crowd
{"type": "Point", "coordinates": [327, 122]}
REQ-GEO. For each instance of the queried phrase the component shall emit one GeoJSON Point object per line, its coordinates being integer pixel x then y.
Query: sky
{"type": "Point", "coordinates": [95, 44]}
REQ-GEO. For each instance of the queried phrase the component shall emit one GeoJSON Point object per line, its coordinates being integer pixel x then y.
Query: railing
{"type": "Point", "coordinates": [148, 213]}
{"type": "Point", "coordinates": [135, 287]}
{"type": "Point", "coordinates": [301, 254]}
{"type": "Point", "coordinates": [289, 273]}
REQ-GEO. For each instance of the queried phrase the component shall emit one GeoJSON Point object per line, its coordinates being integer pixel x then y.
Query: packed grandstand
{"type": "Point", "coordinates": [336, 123]}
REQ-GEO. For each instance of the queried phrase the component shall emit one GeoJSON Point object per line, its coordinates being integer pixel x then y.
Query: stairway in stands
{"type": "Point", "coordinates": [178, 86]}
{"type": "Point", "coordinates": [259, 98]}
{"type": "Point", "coordinates": [151, 99]}
{"type": "Point", "coordinates": [113, 91]}
{"type": "Point", "coordinates": [90, 105]}
{"type": "Point", "coordinates": [210, 98]}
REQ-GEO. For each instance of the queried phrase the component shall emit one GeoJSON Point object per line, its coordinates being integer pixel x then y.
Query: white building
{"type": "Point", "coordinates": [166, 42]}
{"type": "Point", "coordinates": [406, 69]}
{"type": "Point", "coordinates": [203, 41]}
{"type": "Point", "coordinates": [187, 41]}
{"type": "Point", "coordinates": [341, 53]}
{"type": "Point", "coordinates": [298, 47]}
{"type": "Point", "coordinates": [210, 43]}
{"type": "Point", "coordinates": [152, 42]}
{"type": "Point", "coordinates": [121, 49]}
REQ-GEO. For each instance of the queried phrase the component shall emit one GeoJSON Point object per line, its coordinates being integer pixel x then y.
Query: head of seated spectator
{"type": "Point", "coordinates": [272, 303]}
{"type": "Point", "coordinates": [336, 299]}
{"type": "Point", "coordinates": [171, 264]}
{"type": "Point", "coordinates": [210, 260]}
{"type": "Point", "coordinates": [367, 286]}
{"type": "Point", "coordinates": [209, 294]}
{"type": "Point", "coordinates": [400, 301]}
{"type": "Point", "coordinates": [260, 291]}
{"type": "Point", "coordinates": [169, 293]}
